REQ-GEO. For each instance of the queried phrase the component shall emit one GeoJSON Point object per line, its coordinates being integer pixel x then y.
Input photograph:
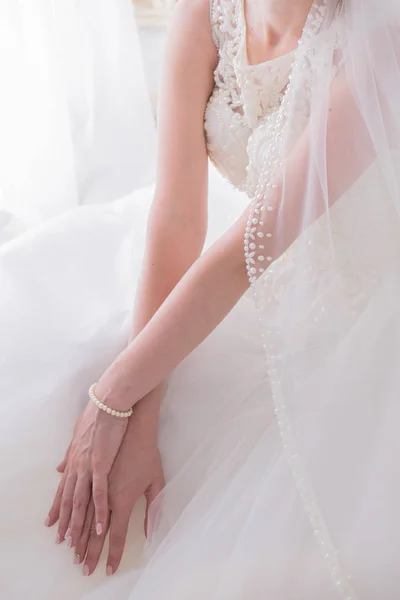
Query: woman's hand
{"type": "Point", "coordinates": [137, 471]}
{"type": "Point", "coordinates": [90, 457]}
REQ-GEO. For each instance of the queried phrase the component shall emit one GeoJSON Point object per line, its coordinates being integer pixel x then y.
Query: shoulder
{"type": "Point", "coordinates": [196, 16]}
{"type": "Point", "coordinates": [194, 12]}
{"type": "Point", "coordinates": [190, 35]}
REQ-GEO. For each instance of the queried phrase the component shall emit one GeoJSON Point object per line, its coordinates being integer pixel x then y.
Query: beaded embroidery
{"type": "Point", "coordinates": [243, 94]}
{"type": "Point", "coordinates": [262, 140]}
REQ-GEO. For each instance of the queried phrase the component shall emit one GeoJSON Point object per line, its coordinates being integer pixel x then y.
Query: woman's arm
{"type": "Point", "coordinates": [203, 297]}
{"type": "Point", "coordinates": [177, 222]}
{"type": "Point", "coordinates": [176, 233]}
{"type": "Point", "coordinates": [215, 283]}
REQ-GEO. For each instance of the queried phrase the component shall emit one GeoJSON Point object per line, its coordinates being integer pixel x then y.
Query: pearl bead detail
{"type": "Point", "coordinates": [236, 108]}
{"type": "Point", "coordinates": [274, 129]}
{"type": "Point", "coordinates": [101, 406]}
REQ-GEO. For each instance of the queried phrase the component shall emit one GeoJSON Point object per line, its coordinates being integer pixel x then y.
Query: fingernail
{"type": "Point", "coordinates": [69, 542]}
{"type": "Point", "coordinates": [85, 570]}
{"type": "Point", "coordinates": [68, 534]}
{"type": "Point", "coordinates": [109, 570]}
{"type": "Point", "coordinates": [77, 559]}
{"type": "Point", "coordinates": [99, 528]}
{"type": "Point", "coordinates": [58, 538]}
{"type": "Point", "coordinates": [47, 522]}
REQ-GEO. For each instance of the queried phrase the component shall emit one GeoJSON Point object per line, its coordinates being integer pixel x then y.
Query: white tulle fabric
{"type": "Point", "coordinates": [76, 125]}
{"type": "Point", "coordinates": [280, 450]}
{"type": "Point", "coordinates": [329, 193]}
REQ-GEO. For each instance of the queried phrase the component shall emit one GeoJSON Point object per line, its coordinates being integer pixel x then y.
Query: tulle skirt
{"type": "Point", "coordinates": [65, 311]}
{"type": "Point", "coordinates": [230, 524]}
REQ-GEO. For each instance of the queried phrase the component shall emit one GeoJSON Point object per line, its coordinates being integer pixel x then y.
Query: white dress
{"type": "Point", "coordinates": [232, 526]}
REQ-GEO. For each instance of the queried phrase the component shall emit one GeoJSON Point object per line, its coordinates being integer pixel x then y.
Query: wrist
{"type": "Point", "coordinates": [115, 390]}
{"type": "Point", "coordinates": [146, 413]}
{"type": "Point", "coordinates": [118, 394]}
{"type": "Point", "coordinates": [143, 425]}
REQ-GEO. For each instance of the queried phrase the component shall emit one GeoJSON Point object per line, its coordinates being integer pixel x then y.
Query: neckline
{"type": "Point", "coordinates": [243, 30]}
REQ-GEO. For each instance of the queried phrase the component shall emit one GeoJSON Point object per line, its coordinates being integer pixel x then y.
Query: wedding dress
{"type": "Point", "coordinates": [231, 523]}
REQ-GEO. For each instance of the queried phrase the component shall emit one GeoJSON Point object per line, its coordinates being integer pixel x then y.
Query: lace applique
{"type": "Point", "coordinates": [278, 130]}
{"type": "Point", "coordinates": [253, 91]}
{"type": "Point", "coordinates": [226, 30]}
{"type": "Point", "coordinates": [243, 96]}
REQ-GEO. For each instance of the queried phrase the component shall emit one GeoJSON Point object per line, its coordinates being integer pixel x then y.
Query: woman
{"type": "Point", "coordinates": [280, 467]}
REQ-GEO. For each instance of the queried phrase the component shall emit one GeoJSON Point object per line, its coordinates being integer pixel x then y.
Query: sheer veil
{"type": "Point", "coordinates": [325, 219]}
{"type": "Point", "coordinates": [305, 505]}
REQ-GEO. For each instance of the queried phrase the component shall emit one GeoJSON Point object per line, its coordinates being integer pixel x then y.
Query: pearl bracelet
{"type": "Point", "coordinates": [107, 409]}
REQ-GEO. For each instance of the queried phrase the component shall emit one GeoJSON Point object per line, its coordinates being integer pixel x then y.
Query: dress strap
{"type": "Point", "coordinates": [226, 22]}
{"type": "Point", "coordinates": [215, 9]}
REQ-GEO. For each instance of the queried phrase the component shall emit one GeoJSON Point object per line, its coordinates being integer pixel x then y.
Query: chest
{"type": "Point", "coordinates": [244, 95]}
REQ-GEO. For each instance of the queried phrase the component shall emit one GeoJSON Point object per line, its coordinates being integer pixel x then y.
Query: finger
{"type": "Point", "coordinates": [118, 532]}
{"type": "Point", "coordinates": [66, 507]}
{"type": "Point", "coordinates": [63, 463]}
{"type": "Point", "coordinates": [95, 547]}
{"type": "Point", "coordinates": [61, 467]}
{"type": "Point", "coordinates": [152, 492]}
{"type": "Point", "coordinates": [100, 499]}
{"type": "Point", "coordinates": [79, 508]}
{"type": "Point", "coordinates": [54, 512]}
{"type": "Point", "coordinates": [81, 545]}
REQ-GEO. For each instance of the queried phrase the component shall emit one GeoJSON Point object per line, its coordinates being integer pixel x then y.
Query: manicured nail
{"type": "Point", "coordinates": [85, 570]}
{"type": "Point", "coordinates": [68, 534]}
{"type": "Point", "coordinates": [109, 570]}
{"type": "Point", "coordinates": [69, 542]}
{"type": "Point", "coordinates": [47, 522]}
{"type": "Point", "coordinates": [58, 538]}
{"type": "Point", "coordinates": [77, 559]}
{"type": "Point", "coordinates": [99, 528]}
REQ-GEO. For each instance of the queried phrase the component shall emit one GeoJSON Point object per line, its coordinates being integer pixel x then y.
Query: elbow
{"type": "Point", "coordinates": [175, 224]}
{"type": "Point", "coordinates": [174, 244]}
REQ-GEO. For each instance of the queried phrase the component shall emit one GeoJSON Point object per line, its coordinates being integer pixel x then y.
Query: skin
{"type": "Point", "coordinates": [183, 294]}
{"type": "Point", "coordinates": [273, 27]}
{"type": "Point", "coordinates": [176, 233]}
{"type": "Point", "coordinates": [137, 471]}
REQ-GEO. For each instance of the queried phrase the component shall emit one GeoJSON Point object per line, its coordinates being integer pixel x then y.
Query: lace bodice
{"type": "Point", "coordinates": [243, 95]}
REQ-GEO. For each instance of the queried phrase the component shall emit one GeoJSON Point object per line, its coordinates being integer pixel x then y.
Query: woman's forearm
{"type": "Point", "coordinates": [172, 247]}
{"type": "Point", "coordinates": [218, 279]}
{"type": "Point", "coordinates": [201, 300]}
{"type": "Point", "coordinates": [168, 257]}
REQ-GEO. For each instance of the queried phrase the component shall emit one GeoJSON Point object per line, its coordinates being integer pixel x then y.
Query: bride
{"type": "Point", "coordinates": [263, 439]}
